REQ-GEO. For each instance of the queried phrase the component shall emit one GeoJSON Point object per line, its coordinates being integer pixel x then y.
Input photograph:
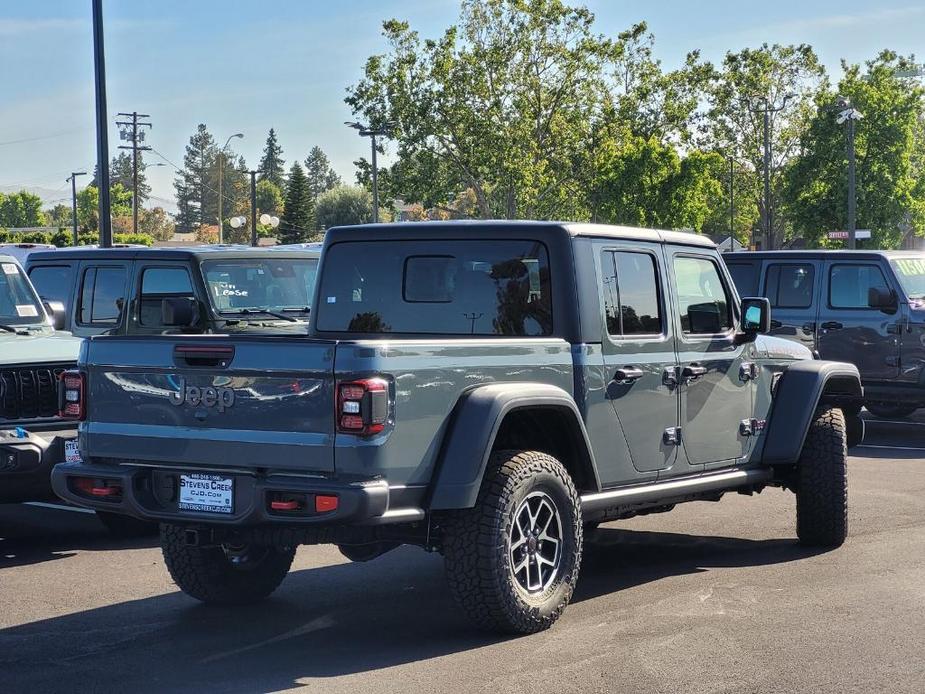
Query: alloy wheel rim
{"type": "Point", "coordinates": [535, 543]}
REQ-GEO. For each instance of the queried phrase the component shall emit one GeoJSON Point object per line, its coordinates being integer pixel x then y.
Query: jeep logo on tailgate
{"type": "Point", "coordinates": [209, 396]}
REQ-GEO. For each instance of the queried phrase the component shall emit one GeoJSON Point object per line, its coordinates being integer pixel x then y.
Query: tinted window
{"type": "Point", "coordinates": [18, 303]}
{"type": "Point", "coordinates": [53, 282]}
{"type": "Point", "coordinates": [745, 277]}
{"type": "Point", "coordinates": [158, 283]}
{"type": "Point", "coordinates": [790, 286]}
{"type": "Point", "coordinates": [849, 284]}
{"type": "Point", "coordinates": [436, 287]}
{"type": "Point", "coordinates": [702, 299]}
{"type": "Point", "coordinates": [239, 286]}
{"type": "Point", "coordinates": [631, 298]}
{"type": "Point", "coordinates": [102, 295]}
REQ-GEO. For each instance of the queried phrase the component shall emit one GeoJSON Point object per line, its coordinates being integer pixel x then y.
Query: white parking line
{"type": "Point", "coordinates": [58, 507]}
{"type": "Point", "coordinates": [892, 448]}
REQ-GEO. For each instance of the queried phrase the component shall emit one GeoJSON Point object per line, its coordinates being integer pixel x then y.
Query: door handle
{"type": "Point", "coordinates": [809, 328]}
{"type": "Point", "coordinates": [692, 372]}
{"type": "Point", "coordinates": [776, 324]}
{"type": "Point", "coordinates": [628, 374]}
{"type": "Point", "coordinates": [832, 325]}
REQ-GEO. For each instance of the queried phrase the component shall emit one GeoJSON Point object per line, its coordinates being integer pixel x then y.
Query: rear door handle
{"type": "Point", "coordinates": [809, 328]}
{"type": "Point", "coordinates": [832, 325]}
{"type": "Point", "coordinates": [628, 374]}
{"type": "Point", "coordinates": [692, 372]}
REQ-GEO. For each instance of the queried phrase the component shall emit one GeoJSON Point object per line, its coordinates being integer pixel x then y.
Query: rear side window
{"type": "Point", "coordinates": [157, 284]}
{"type": "Point", "coordinates": [53, 282]}
{"type": "Point", "coordinates": [849, 285]}
{"type": "Point", "coordinates": [745, 277]}
{"type": "Point", "coordinates": [790, 285]}
{"type": "Point", "coordinates": [631, 295]}
{"type": "Point", "coordinates": [702, 299]}
{"type": "Point", "coordinates": [102, 296]}
{"type": "Point", "coordinates": [436, 287]}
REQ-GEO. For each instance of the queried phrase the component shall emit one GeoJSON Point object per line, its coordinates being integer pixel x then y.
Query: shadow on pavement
{"type": "Point", "coordinates": [324, 622]}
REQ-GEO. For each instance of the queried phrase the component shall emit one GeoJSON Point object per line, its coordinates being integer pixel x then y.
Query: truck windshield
{"type": "Point", "coordinates": [911, 274]}
{"type": "Point", "coordinates": [478, 287]}
{"type": "Point", "coordinates": [18, 303]}
{"type": "Point", "coordinates": [275, 288]}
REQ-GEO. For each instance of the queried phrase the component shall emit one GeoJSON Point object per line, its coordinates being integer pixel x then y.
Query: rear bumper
{"type": "Point", "coordinates": [26, 463]}
{"type": "Point", "coordinates": [151, 493]}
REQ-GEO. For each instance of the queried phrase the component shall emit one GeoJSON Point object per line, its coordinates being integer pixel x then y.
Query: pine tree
{"type": "Point", "coordinates": [299, 213]}
{"type": "Point", "coordinates": [197, 200]}
{"type": "Point", "coordinates": [272, 163]}
{"type": "Point", "coordinates": [320, 175]}
{"type": "Point", "coordinates": [120, 171]}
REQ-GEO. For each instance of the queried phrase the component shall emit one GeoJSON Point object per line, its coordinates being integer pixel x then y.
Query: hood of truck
{"type": "Point", "coordinates": [38, 348]}
{"type": "Point", "coordinates": [770, 347]}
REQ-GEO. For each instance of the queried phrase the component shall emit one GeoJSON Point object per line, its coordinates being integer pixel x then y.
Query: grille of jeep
{"type": "Point", "coordinates": [30, 393]}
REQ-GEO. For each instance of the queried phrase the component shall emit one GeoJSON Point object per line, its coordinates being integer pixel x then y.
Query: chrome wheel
{"type": "Point", "coordinates": [535, 543]}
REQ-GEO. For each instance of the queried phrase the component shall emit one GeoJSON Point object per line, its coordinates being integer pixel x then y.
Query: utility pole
{"type": "Point", "coordinates": [850, 115]}
{"type": "Point", "coordinates": [221, 185]}
{"type": "Point", "coordinates": [102, 125]}
{"type": "Point", "coordinates": [732, 204]}
{"type": "Point", "coordinates": [767, 109]}
{"type": "Point", "coordinates": [72, 179]}
{"type": "Point", "coordinates": [253, 175]}
{"type": "Point", "coordinates": [385, 130]}
{"type": "Point", "coordinates": [130, 132]}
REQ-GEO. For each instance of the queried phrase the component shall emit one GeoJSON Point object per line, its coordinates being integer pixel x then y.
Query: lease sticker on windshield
{"type": "Point", "coordinates": [911, 266]}
{"type": "Point", "coordinates": [10, 269]}
{"type": "Point", "coordinates": [26, 310]}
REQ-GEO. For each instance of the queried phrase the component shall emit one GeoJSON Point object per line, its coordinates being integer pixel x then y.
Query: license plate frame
{"type": "Point", "coordinates": [199, 492]}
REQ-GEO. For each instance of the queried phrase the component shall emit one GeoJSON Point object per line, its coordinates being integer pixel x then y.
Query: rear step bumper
{"type": "Point", "coordinates": [152, 494]}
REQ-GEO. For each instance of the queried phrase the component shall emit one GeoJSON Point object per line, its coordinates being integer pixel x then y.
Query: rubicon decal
{"type": "Point", "coordinates": [208, 396]}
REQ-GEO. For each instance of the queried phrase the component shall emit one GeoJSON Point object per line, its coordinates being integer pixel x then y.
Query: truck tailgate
{"type": "Point", "coordinates": [214, 401]}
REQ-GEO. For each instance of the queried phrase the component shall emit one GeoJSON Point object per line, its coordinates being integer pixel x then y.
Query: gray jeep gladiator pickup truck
{"type": "Point", "coordinates": [484, 390]}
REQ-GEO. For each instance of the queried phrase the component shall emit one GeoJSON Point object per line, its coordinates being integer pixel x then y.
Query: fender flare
{"type": "Point", "coordinates": [476, 420]}
{"type": "Point", "coordinates": [800, 389]}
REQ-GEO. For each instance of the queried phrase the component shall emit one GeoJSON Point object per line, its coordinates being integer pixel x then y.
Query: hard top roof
{"type": "Point", "coordinates": [167, 253]}
{"type": "Point", "coordinates": [503, 228]}
{"type": "Point", "coordinates": [819, 254]}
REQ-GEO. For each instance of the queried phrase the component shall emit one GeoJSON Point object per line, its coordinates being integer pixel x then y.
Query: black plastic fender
{"type": "Point", "coordinates": [802, 386]}
{"type": "Point", "coordinates": [476, 421]}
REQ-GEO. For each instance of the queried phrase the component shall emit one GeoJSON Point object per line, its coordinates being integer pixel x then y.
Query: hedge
{"type": "Point", "coordinates": [64, 237]}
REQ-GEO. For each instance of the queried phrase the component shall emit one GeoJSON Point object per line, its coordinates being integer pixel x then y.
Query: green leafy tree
{"type": "Point", "coordinates": [321, 177]}
{"type": "Point", "coordinates": [888, 141]}
{"type": "Point", "coordinates": [272, 164]}
{"type": "Point", "coordinates": [197, 197]}
{"type": "Point", "coordinates": [269, 198]}
{"type": "Point", "coordinates": [22, 209]}
{"type": "Point", "coordinates": [156, 223]}
{"type": "Point", "coordinates": [88, 203]}
{"type": "Point", "coordinates": [344, 205]}
{"type": "Point", "coordinates": [299, 220]}
{"type": "Point", "coordinates": [59, 215]}
{"type": "Point", "coordinates": [120, 171]}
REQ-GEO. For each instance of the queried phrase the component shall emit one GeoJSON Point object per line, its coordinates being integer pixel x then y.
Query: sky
{"type": "Point", "coordinates": [246, 66]}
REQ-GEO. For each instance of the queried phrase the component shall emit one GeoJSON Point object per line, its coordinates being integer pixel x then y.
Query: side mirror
{"type": "Point", "coordinates": [882, 298]}
{"type": "Point", "coordinates": [756, 315]}
{"type": "Point", "coordinates": [57, 313]}
{"type": "Point", "coordinates": [179, 311]}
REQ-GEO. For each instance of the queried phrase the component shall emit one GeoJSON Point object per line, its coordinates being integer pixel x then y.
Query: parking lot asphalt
{"type": "Point", "coordinates": [712, 597]}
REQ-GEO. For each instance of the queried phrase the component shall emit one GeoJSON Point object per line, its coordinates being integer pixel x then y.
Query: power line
{"type": "Point", "coordinates": [135, 136]}
{"type": "Point", "coordinates": [43, 137]}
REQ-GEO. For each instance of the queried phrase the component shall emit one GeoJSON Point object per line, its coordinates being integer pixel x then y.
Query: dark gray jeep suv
{"type": "Point", "coordinates": [484, 390]}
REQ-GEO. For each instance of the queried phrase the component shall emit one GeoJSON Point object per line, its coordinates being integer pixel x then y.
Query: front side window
{"type": "Point", "coordinates": [157, 284]}
{"type": "Point", "coordinates": [267, 286]}
{"type": "Point", "coordinates": [436, 287]}
{"type": "Point", "coordinates": [702, 299]}
{"type": "Point", "coordinates": [631, 295]}
{"type": "Point", "coordinates": [790, 285]}
{"type": "Point", "coordinates": [745, 277]}
{"type": "Point", "coordinates": [102, 296]}
{"type": "Point", "coordinates": [18, 303]}
{"type": "Point", "coordinates": [53, 282]}
{"type": "Point", "coordinates": [849, 285]}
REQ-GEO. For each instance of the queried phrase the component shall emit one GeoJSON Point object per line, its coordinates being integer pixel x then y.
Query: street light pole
{"type": "Point", "coordinates": [221, 189]}
{"type": "Point", "coordinates": [366, 131]}
{"type": "Point", "coordinates": [372, 138]}
{"type": "Point", "coordinates": [767, 109]}
{"type": "Point", "coordinates": [848, 114]}
{"type": "Point", "coordinates": [72, 179]}
{"type": "Point", "coordinates": [253, 175]}
{"type": "Point", "coordinates": [102, 125]}
{"type": "Point", "coordinates": [732, 204]}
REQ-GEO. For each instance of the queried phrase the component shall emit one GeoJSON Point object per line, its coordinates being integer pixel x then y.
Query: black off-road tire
{"type": "Point", "coordinates": [476, 545]}
{"type": "Point", "coordinates": [889, 410]}
{"type": "Point", "coordinates": [822, 481]}
{"type": "Point", "coordinates": [125, 527]}
{"type": "Point", "coordinates": [209, 575]}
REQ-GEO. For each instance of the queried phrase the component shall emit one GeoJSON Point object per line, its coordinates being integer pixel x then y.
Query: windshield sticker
{"type": "Point", "coordinates": [26, 311]}
{"type": "Point", "coordinates": [10, 269]}
{"type": "Point", "coordinates": [911, 266]}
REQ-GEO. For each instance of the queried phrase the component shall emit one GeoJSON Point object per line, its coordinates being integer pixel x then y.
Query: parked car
{"type": "Point", "coordinates": [123, 291]}
{"type": "Point", "coordinates": [484, 390]}
{"type": "Point", "coordinates": [21, 251]}
{"type": "Point", "coordinates": [862, 307]}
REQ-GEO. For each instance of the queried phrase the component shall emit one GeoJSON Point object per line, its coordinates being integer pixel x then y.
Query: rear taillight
{"type": "Point", "coordinates": [362, 406]}
{"type": "Point", "coordinates": [72, 395]}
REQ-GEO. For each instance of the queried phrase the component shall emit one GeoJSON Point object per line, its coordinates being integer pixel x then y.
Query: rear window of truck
{"type": "Point", "coordinates": [436, 287]}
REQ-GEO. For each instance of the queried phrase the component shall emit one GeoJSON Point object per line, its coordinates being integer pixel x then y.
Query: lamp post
{"type": "Point", "coordinates": [102, 126]}
{"type": "Point", "coordinates": [72, 179]}
{"type": "Point", "coordinates": [849, 115]}
{"type": "Point", "coordinates": [221, 173]}
{"type": "Point", "coordinates": [767, 109]}
{"type": "Point", "coordinates": [383, 130]}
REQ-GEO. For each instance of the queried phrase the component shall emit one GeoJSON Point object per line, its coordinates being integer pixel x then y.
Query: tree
{"type": "Point", "coordinates": [272, 163]}
{"type": "Point", "coordinates": [22, 209]}
{"type": "Point", "coordinates": [890, 188]}
{"type": "Point", "coordinates": [88, 205]}
{"type": "Point", "coordinates": [120, 171]}
{"type": "Point", "coordinates": [343, 205]}
{"type": "Point", "coordinates": [269, 198]}
{"type": "Point", "coordinates": [59, 215]}
{"type": "Point", "coordinates": [156, 223]}
{"type": "Point", "coordinates": [298, 223]}
{"type": "Point", "coordinates": [745, 79]}
{"type": "Point", "coordinates": [321, 177]}
{"type": "Point", "coordinates": [197, 199]}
